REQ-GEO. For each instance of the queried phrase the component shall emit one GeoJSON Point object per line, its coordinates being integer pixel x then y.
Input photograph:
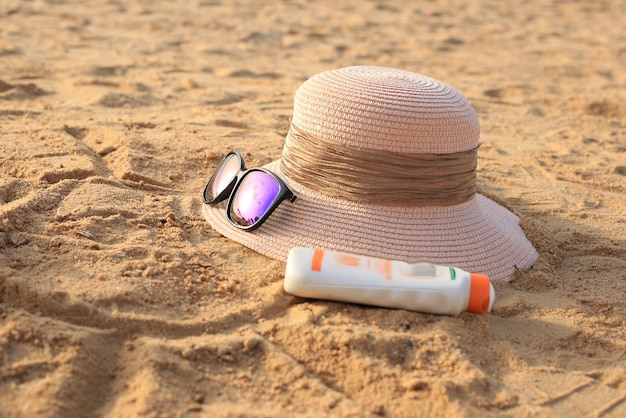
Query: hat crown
{"type": "Point", "coordinates": [386, 109]}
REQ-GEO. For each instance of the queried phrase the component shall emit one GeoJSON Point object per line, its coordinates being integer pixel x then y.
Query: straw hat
{"type": "Point", "coordinates": [383, 163]}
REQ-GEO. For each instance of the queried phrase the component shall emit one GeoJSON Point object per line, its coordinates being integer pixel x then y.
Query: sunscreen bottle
{"type": "Point", "coordinates": [422, 287]}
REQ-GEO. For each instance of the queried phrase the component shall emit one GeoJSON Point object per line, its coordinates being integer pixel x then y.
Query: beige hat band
{"type": "Point", "coordinates": [378, 176]}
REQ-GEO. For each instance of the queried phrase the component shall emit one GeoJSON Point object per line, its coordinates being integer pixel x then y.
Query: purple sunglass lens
{"type": "Point", "coordinates": [223, 177]}
{"type": "Point", "coordinates": [254, 196]}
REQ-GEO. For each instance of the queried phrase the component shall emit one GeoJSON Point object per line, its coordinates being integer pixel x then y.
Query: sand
{"type": "Point", "coordinates": [119, 300]}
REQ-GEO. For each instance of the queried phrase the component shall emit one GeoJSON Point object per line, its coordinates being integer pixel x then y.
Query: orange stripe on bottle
{"type": "Point", "coordinates": [383, 267]}
{"type": "Point", "coordinates": [316, 263]}
{"type": "Point", "coordinates": [387, 270]}
{"type": "Point", "coordinates": [347, 260]}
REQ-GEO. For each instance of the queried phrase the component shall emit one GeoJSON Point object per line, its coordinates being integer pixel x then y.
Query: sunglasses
{"type": "Point", "coordinates": [253, 194]}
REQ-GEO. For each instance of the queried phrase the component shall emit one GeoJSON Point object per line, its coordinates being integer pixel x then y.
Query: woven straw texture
{"type": "Point", "coordinates": [387, 109]}
{"type": "Point", "coordinates": [392, 110]}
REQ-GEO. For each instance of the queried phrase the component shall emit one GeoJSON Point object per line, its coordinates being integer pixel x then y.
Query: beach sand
{"type": "Point", "coordinates": [117, 299]}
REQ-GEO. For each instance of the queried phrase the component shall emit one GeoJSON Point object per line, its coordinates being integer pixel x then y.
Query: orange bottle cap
{"type": "Point", "coordinates": [481, 294]}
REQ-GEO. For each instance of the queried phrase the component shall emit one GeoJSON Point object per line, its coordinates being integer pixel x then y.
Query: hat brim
{"type": "Point", "coordinates": [479, 235]}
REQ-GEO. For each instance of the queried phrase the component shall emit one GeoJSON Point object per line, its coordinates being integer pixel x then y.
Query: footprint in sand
{"type": "Point", "coordinates": [109, 71]}
{"type": "Point", "coordinates": [510, 95]}
{"type": "Point", "coordinates": [112, 153]}
{"type": "Point", "coordinates": [585, 394]}
{"type": "Point", "coordinates": [121, 100]}
{"type": "Point", "coordinates": [606, 109]}
{"type": "Point", "coordinates": [20, 91]}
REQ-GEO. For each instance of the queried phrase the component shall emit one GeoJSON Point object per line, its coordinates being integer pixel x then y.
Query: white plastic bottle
{"type": "Point", "coordinates": [422, 287]}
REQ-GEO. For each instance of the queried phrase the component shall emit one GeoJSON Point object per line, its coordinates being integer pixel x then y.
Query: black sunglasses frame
{"type": "Point", "coordinates": [232, 188]}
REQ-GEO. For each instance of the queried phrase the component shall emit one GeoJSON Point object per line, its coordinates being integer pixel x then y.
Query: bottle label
{"type": "Point", "coordinates": [384, 268]}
